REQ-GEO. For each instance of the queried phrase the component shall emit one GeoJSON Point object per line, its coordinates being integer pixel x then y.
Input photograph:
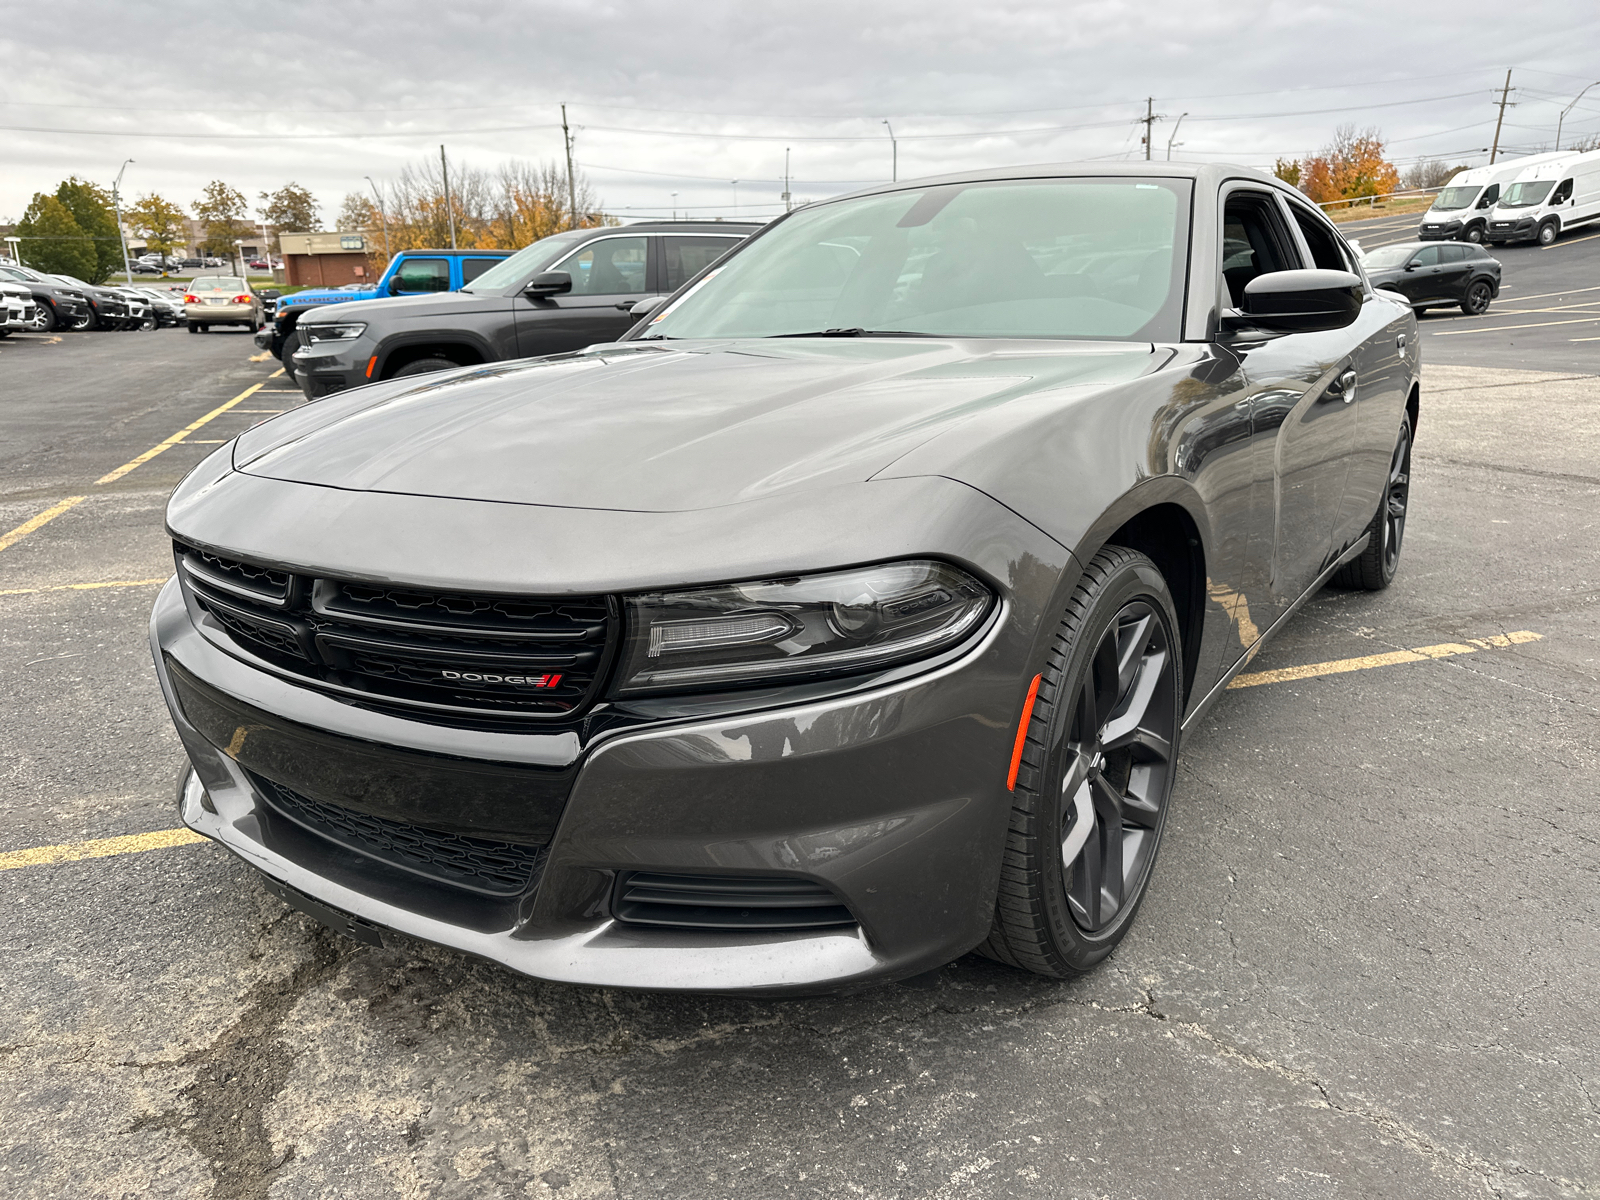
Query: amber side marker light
{"type": "Point", "coordinates": [1022, 734]}
{"type": "Point", "coordinates": [371, 362]}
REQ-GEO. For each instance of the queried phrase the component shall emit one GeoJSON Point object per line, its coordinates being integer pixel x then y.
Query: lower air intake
{"type": "Point", "coordinates": [739, 902]}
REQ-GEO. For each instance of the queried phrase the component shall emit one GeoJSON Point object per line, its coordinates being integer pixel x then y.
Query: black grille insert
{"type": "Point", "coordinates": [475, 864]}
{"type": "Point", "coordinates": [445, 654]}
{"type": "Point", "coordinates": [748, 902]}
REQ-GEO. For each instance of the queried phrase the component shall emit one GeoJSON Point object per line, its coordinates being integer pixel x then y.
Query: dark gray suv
{"type": "Point", "coordinates": [562, 293]}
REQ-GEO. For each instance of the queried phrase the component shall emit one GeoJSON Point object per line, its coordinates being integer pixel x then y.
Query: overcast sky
{"type": "Point", "coordinates": [685, 98]}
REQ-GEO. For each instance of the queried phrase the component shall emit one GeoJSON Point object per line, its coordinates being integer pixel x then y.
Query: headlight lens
{"type": "Point", "coordinates": [333, 333]}
{"type": "Point", "coordinates": [777, 630]}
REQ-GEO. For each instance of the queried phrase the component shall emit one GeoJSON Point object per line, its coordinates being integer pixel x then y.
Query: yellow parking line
{"type": "Point", "coordinates": [136, 843]}
{"type": "Point", "coordinates": [113, 476]}
{"type": "Point", "coordinates": [44, 518]}
{"type": "Point", "coordinates": [82, 587]}
{"type": "Point", "coordinates": [1513, 328]}
{"type": "Point", "coordinates": [1420, 654]}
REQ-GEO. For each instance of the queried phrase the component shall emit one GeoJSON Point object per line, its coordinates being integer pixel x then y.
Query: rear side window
{"type": "Point", "coordinates": [423, 275]}
{"type": "Point", "coordinates": [686, 257]}
{"type": "Point", "coordinates": [1454, 254]}
{"type": "Point", "coordinates": [471, 268]}
{"type": "Point", "coordinates": [1326, 252]}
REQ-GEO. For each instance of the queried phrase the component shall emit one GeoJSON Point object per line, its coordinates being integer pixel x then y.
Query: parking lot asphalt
{"type": "Point", "coordinates": [1367, 967]}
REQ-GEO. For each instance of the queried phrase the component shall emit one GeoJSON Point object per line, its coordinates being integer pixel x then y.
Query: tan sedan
{"type": "Point", "coordinates": [221, 300]}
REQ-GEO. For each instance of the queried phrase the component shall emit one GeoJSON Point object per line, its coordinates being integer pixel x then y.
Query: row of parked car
{"type": "Point", "coordinates": [1535, 198]}
{"type": "Point", "coordinates": [36, 302]}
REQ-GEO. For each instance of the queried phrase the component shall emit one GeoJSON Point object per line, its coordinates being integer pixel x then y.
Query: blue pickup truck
{"type": "Point", "coordinates": [410, 273]}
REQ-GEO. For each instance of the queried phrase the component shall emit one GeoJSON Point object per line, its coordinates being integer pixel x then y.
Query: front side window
{"type": "Point", "coordinates": [1049, 258]}
{"type": "Point", "coordinates": [610, 267]}
{"type": "Point", "coordinates": [1254, 242]}
{"type": "Point", "coordinates": [685, 257]}
{"type": "Point", "coordinates": [1428, 256]}
{"type": "Point", "coordinates": [1490, 195]}
{"type": "Point", "coordinates": [525, 263]}
{"type": "Point", "coordinates": [422, 275]}
{"type": "Point", "coordinates": [1563, 193]}
{"type": "Point", "coordinates": [1526, 195]}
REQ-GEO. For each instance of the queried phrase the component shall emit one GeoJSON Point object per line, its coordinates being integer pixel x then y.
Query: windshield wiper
{"type": "Point", "coordinates": [853, 331]}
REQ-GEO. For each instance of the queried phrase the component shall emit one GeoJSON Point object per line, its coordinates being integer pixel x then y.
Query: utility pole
{"type": "Point", "coordinates": [1151, 116]}
{"type": "Point", "coordinates": [448, 207]}
{"type": "Point", "coordinates": [787, 206]}
{"type": "Point", "coordinates": [572, 188]}
{"type": "Point", "coordinates": [116, 203]}
{"type": "Point", "coordinates": [1562, 118]}
{"type": "Point", "coordinates": [383, 217]}
{"type": "Point", "coordinates": [1171, 141]}
{"type": "Point", "coordinates": [894, 152]}
{"type": "Point", "coordinates": [735, 199]}
{"type": "Point", "coordinates": [1504, 92]}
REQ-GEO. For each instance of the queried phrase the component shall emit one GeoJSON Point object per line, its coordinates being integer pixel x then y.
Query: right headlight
{"type": "Point", "coordinates": [779, 630]}
{"type": "Point", "coordinates": [342, 332]}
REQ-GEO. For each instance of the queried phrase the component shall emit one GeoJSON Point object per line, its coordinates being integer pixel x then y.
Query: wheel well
{"type": "Point", "coordinates": [1167, 535]}
{"type": "Point", "coordinates": [1413, 408]}
{"type": "Point", "coordinates": [459, 353]}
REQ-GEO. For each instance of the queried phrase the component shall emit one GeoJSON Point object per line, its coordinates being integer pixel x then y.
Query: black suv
{"type": "Point", "coordinates": [1437, 275]}
{"type": "Point", "coordinates": [561, 293]}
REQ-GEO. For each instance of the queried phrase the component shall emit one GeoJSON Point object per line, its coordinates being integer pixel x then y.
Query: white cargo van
{"type": "Point", "coordinates": [1547, 199]}
{"type": "Point", "coordinates": [1460, 212]}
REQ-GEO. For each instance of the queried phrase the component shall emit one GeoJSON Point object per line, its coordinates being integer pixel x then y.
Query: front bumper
{"type": "Point", "coordinates": [1439, 231]}
{"type": "Point", "coordinates": [322, 368]}
{"type": "Point", "coordinates": [1521, 230]}
{"type": "Point", "coordinates": [891, 798]}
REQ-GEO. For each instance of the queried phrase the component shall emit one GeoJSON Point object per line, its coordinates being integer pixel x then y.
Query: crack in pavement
{"type": "Point", "coordinates": [240, 1073]}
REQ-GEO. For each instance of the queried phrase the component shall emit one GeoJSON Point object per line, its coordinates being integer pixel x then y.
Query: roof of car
{"type": "Point", "coordinates": [1215, 172]}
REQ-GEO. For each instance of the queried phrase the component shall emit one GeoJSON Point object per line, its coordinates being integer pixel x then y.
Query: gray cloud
{"type": "Point", "coordinates": [1035, 83]}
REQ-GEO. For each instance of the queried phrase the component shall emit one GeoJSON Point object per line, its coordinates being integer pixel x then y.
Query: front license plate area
{"type": "Point", "coordinates": [339, 922]}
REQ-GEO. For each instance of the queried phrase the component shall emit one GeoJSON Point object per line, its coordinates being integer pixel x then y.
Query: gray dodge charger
{"type": "Point", "coordinates": [842, 618]}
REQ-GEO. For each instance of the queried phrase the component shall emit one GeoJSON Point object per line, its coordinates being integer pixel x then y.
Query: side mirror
{"type": "Point", "coordinates": [548, 283]}
{"type": "Point", "coordinates": [1303, 301]}
{"type": "Point", "coordinates": [394, 286]}
{"type": "Point", "coordinates": [1413, 265]}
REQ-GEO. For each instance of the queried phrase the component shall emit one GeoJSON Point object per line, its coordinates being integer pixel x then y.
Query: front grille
{"type": "Point", "coordinates": [475, 864]}
{"type": "Point", "coordinates": [435, 653]}
{"type": "Point", "coordinates": [739, 902]}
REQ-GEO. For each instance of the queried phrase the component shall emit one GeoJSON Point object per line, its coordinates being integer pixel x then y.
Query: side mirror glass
{"type": "Point", "coordinates": [1303, 301]}
{"type": "Point", "coordinates": [548, 283]}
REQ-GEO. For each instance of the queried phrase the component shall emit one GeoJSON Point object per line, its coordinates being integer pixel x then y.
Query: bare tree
{"type": "Point", "coordinates": [1430, 173]}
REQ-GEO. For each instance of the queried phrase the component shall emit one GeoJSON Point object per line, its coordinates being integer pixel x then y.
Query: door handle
{"type": "Point", "coordinates": [1344, 387]}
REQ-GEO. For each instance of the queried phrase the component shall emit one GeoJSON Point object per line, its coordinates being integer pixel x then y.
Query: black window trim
{"type": "Point", "coordinates": [1296, 206]}
{"type": "Point", "coordinates": [1274, 200]}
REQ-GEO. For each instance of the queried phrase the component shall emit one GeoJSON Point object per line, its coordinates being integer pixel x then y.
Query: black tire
{"type": "Point", "coordinates": [1374, 568]}
{"type": "Point", "coordinates": [44, 317]}
{"type": "Point", "coordinates": [290, 345]}
{"type": "Point", "coordinates": [88, 321]}
{"type": "Point", "coordinates": [194, 326]}
{"type": "Point", "coordinates": [1548, 233]}
{"type": "Point", "coordinates": [1473, 234]}
{"type": "Point", "coordinates": [1096, 789]}
{"type": "Point", "coordinates": [1476, 302]}
{"type": "Point", "coordinates": [424, 366]}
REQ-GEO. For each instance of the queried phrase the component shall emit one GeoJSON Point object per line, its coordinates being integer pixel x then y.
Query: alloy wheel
{"type": "Point", "coordinates": [1397, 498]}
{"type": "Point", "coordinates": [1119, 758]}
{"type": "Point", "coordinates": [1478, 298]}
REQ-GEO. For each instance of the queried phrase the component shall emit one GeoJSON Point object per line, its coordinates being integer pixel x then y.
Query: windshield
{"type": "Point", "coordinates": [1525, 195]}
{"type": "Point", "coordinates": [23, 274]}
{"type": "Point", "coordinates": [217, 283]}
{"type": "Point", "coordinates": [1055, 258]}
{"type": "Point", "coordinates": [1455, 197]}
{"type": "Point", "coordinates": [525, 262]}
{"type": "Point", "coordinates": [1385, 257]}
{"type": "Point", "coordinates": [69, 280]}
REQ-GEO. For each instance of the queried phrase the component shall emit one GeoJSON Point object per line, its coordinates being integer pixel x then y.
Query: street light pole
{"type": "Point", "coordinates": [116, 203]}
{"type": "Point", "coordinates": [894, 154]}
{"type": "Point", "coordinates": [1174, 136]}
{"type": "Point", "coordinates": [1562, 118]}
{"type": "Point", "coordinates": [383, 217]}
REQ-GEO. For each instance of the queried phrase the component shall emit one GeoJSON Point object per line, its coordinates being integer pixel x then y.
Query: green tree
{"type": "Point", "coordinates": [292, 209]}
{"type": "Point", "coordinates": [90, 206]}
{"type": "Point", "coordinates": [1288, 170]}
{"type": "Point", "coordinates": [52, 241]}
{"type": "Point", "coordinates": [222, 210]}
{"type": "Point", "coordinates": [160, 222]}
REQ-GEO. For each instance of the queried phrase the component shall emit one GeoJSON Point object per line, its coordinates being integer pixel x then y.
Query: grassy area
{"type": "Point", "coordinates": [1362, 211]}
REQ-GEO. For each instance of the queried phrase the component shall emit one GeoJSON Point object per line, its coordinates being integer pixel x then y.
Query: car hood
{"type": "Point", "coordinates": [433, 304]}
{"type": "Point", "coordinates": [310, 299]}
{"type": "Point", "coordinates": [662, 429]}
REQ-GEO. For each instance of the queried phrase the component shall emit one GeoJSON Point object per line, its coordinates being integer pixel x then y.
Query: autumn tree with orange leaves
{"type": "Point", "coordinates": [1349, 167]}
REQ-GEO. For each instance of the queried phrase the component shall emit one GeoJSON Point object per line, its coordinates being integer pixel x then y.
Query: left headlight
{"type": "Point", "coordinates": [778, 630]}
{"type": "Point", "coordinates": [334, 333]}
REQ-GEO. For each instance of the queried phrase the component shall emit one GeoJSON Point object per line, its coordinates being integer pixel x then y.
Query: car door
{"type": "Point", "coordinates": [1301, 429]}
{"type": "Point", "coordinates": [1455, 269]}
{"type": "Point", "coordinates": [1380, 372]}
{"type": "Point", "coordinates": [1419, 283]}
{"type": "Point", "coordinates": [609, 274]}
{"type": "Point", "coordinates": [420, 276]}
